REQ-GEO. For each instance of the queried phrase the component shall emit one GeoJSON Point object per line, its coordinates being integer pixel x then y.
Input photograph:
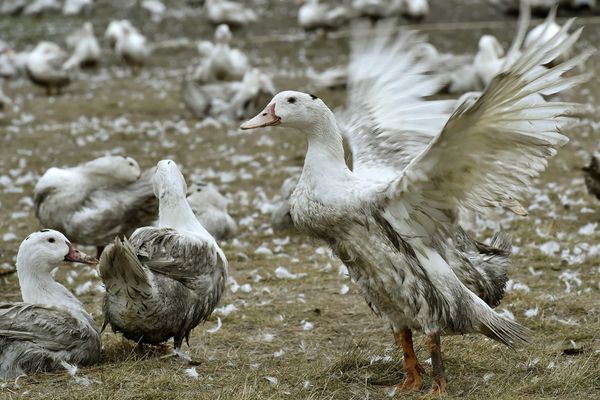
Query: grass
{"type": "Point", "coordinates": [348, 354]}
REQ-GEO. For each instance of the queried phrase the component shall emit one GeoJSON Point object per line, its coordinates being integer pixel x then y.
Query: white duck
{"type": "Point", "coordinates": [330, 78]}
{"type": "Point", "coordinates": [156, 9]}
{"type": "Point", "coordinates": [415, 9]}
{"type": "Point", "coordinates": [545, 32]}
{"type": "Point", "coordinates": [222, 63]}
{"type": "Point", "coordinates": [12, 7]}
{"type": "Point", "coordinates": [38, 7]}
{"type": "Point", "coordinates": [229, 12]}
{"type": "Point", "coordinates": [44, 67]}
{"type": "Point", "coordinates": [165, 280]}
{"type": "Point", "coordinates": [96, 201]}
{"type": "Point", "coordinates": [391, 219]}
{"type": "Point", "coordinates": [210, 207]}
{"type": "Point", "coordinates": [114, 31]}
{"type": "Point", "coordinates": [314, 15]}
{"type": "Point", "coordinates": [376, 9]}
{"type": "Point", "coordinates": [76, 7]}
{"type": "Point", "coordinates": [50, 326]}
{"type": "Point", "coordinates": [85, 47]}
{"type": "Point", "coordinates": [489, 60]}
{"type": "Point", "coordinates": [133, 47]}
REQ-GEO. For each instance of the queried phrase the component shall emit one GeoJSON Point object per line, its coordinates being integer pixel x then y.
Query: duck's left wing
{"type": "Point", "coordinates": [187, 259]}
{"type": "Point", "coordinates": [492, 147]}
{"type": "Point", "coordinates": [388, 121]}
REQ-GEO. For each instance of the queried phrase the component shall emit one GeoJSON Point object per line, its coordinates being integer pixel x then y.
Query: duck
{"type": "Point", "coordinates": [222, 63]}
{"type": "Point", "coordinates": [4, 99]}
{"type": "Point", "coordinates": [210, 208]}
{"type": "Point", "coordinates": [93, 202]}
{"type": "Point", "coordinates": [39, 7]}
{"type": "Point", "coordinates": [330, 78]}
{"type": "Point", "coordinates": [45, 67]}
{"type": "Point", "coordinates": [12, 7]}
{"type": "Point", "coordinates": [155, 8]}
{"type": "Point", "coordinates": [50, 326]}
{"type": "Point", "coordinates": [85, 47]}
{"type": "Point", "coordinates": [315, 15]}
{"type": "Point", "coordinates": [415, 9]}
{"type": "Point", "coordinates": [545, 32]}
{"type": "Point", "coordinates": [163, 281]}
{"type": "Point", "coordinates": [76, 7]}
{"type": "Point", "coordinates": [114, 31]}
{"type": "Point", "coordinates": [591, 175]}
{"type": "Point", "coordinates": [132, 47]}
{"type": "Point", "coordinates": [377, 9]}
{"type": "Point", "coordinates": [228, 12]}
{"type": "Point", "coordinates": [391, 219]}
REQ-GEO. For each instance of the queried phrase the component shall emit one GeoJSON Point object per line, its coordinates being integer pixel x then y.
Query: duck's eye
{"type": "Point", "coordinates": [291, 100]}
{"type": "Point", "coordinates": [51, 240]}
{"type": "Point", "coordinates": [131, 164]}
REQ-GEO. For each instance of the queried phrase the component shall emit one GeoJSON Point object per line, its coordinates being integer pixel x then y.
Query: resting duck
{"type": "Point", "coordinates": [222, 63]}
{"type": "Point", "coordinates": [96, 201]}
{"type": "Point", "coordinates": [132, 47]}
{"type": "Point", "coordinates": [114, 31]}
{"type": "Point", "coordinates": [315, 15]}
{"type": "Point", "coordinates": [228, 12]}
{"type": "Point", "coordinates": [45, 67]}
{"type": "Point", "coordinates": [391, 219]}
{"type": "Point", "coordinates": [51, 325]}
{"type": "Point", "coordinates": [76, 7]}
{"type": "Point", "coordinates": [165, 280]}
{"type": "Point", "coordinates": [39, 7]}
{"type": "Point", "coordinates": [210, 207]}
{"type": "Point", "coordinates": [85, 47]}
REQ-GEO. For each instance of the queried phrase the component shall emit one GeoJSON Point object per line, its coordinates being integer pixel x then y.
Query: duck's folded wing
{"type": "Point", "coordinates": [492, 147]}
{"type": "Point", "coordinates": [181, 257]}
{"type": "Point", "coordinates": [115, 210]}
{"type": "Point", "coordinates": [47, 327]}
{"type": "Point", "coordinates": [387, 121]}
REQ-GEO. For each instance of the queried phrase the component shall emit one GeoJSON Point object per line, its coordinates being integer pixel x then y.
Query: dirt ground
{"type": "Point", "coordinates": [312, 337]}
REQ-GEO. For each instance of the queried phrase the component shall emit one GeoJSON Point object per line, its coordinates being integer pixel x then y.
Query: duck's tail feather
{"type": "Point", "coordinates": [504, 330]}
{"type": "Point", "coordinates": [120, 268]}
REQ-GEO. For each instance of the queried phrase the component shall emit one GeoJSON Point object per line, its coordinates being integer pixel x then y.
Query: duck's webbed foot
{"type": "Point", "coordinates": [439, 375]}
{"type": "Point", "coordinates": [414, 371]}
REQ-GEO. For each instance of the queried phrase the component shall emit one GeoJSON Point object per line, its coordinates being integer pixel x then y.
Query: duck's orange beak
{"type": "Point", "coordinates": [266, 118]}
{"type": "Point", "coordinates": [75, 255]}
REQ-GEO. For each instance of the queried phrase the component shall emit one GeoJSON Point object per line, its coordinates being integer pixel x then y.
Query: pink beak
{"type": "Point", "coordinates": [75, 255]}
{"type": "Point", "coordinates": [266, 118]}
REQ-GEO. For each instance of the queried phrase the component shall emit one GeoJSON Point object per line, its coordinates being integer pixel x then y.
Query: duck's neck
{"type": "Point", "coordinates": [39, 287]}
{"type": "Point", "coordinates": [325, 154]}
{"type": "Point", "coordinates": [175, 212]}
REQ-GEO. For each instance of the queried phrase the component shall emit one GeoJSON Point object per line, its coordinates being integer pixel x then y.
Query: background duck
{"type": "Point", "coordinates": [228, 12]}
{"type": "Point", "coordinates": [50, 326]}
{"type": "Point", "coordinates": [210, 207]}
{"type": "Point", "coordinates": [314, 15]}
{"type": "Point", "coordinates": [45, 67]}
{"type": "Point", "coordinates": [96, 201]}
{"type": "Point", "coordinates": [222, 63]}
{"type": "Point", "coordinates": [164, 280]}
{"type": "Point", "coordinates": [85, 48]}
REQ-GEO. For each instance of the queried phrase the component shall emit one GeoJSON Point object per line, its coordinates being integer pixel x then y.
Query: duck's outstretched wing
{"type": "Point", "coordinates": [492, 147]}
{"type": "Point", "coordinates": [387, 121]}
{"type": "Point", "coordinates": [36, 337]}
{"type": "Point", "coordinates": [116, 210]}
{"type": "Point", "coordinates": [189, 260]}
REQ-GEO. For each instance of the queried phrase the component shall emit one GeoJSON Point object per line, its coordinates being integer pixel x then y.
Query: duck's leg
{"type": "Point", "coordinates": [439, 375]}
{"type": "Point", "coordinates": [414, 371]}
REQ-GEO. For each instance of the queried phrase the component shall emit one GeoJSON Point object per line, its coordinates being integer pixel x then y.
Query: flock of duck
{"type": "Point", "coordinates": [417, 167]}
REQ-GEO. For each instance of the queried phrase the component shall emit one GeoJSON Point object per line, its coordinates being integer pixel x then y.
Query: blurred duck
{"type": "Point", "coordinates": [331, 78]}
{"type": "Point", "coordinates": [115, 31]}
{"type": "Point", "coordinates": [591, 174]}
{"type": "Point", "coordinates": [39, 7]}
{"type": "Point", "coordinates": [489, 59]}
{"type": "Point", "coordinates": [415, 9]}
{"type": "Point", "coordinates": [315, 15]}
{"type": "Point", "coordinates": [229, 12]}
{"type": "Point", "coordinates": [210, 207]}
{"type": "Point", "coordinates": [376, 9]}
{"type": "Point", "coordinates": [76, 7]}
{"type": "Point", "coordinates": [165, 280]}
{"type": "Point", "coordinates": [545, 32]}
{"type": "Point", "coordinates": [4, 99]}
{"type": "Point", "coordinates": [50, 327]}
{"type": "Point", "coordinates": [156, 9]}
{"type": "Point", "coordinates": [45, 67]}
{"type": "Point", "coordinates": [96, 201]}
{"type": "Point", "coordinates": [222, 63]}
{"type": "Point", "coordinates": [132, 47]}
{"type": "Point", "coordinates": [85, 47]}
{"type": "Point", "coordinates": [12, 7]}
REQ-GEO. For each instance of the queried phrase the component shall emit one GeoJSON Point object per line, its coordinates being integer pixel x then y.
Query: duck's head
{"type": "Point", "coordinates": [291, 109]}
{"type": "Point", "coordinates": [120, 169]}
{"type": "Point", "coordinates": [488, 43]}
{"type": "Point", "coordinates": [168, 180]}
{"type": "Point", "coordinates": [223, 34]}
{"type": "Point", "coordinates": [47, 249]}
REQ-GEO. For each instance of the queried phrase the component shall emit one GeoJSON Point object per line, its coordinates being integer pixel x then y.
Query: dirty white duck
{"type": "Point", "coordinates": [85, 48]}
{"type": "Point", "coordinates": [50, 326]}
{"type": "Point", "coordinates": [45, 67]}
{"type": "Point", "coordinates": [223, 63]}
{"type": "Point", "coordinates": [156, 9]}
{"type": "Point", "coordinates": [115, 31]}
{"type": "Point", "coordinates": [315, 15]}
{"type": "Point", "coordinates": [163, 281]}
{"type": "Point", "coordinates": [210, 207]}
{"type": "Point", "coordinates": [76, 7]}
{"type": "Point", "coordinates": [132, 47]}
{"type": "Point", "coordinates": [545, 32]}
{"type": "Point", "coordinates": [228, 12]}
{"type": "Point", "coordinates": [97, 200]}
{"type": "Point", "coordinates": [39, 7]}
{"type": "Point", "coordinates": [415, 9]}
{"type": "Point", "coordinates": [391, 219]}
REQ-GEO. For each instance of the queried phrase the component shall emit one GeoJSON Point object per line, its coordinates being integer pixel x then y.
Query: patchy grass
{"type": "Point", "coordinates": [348, 354]}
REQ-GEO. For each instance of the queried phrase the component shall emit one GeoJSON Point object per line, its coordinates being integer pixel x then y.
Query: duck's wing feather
{"type": "Point", "coordinates": [43, 326]}
{"type": "Point", "coordinates": [492, 147]}
{"type": "Point", "coordinates": [116, 210]}
{"type": "Point", "coordinates": [189, 260]}
{"type": "Point", "coordinates": [387, 121]}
